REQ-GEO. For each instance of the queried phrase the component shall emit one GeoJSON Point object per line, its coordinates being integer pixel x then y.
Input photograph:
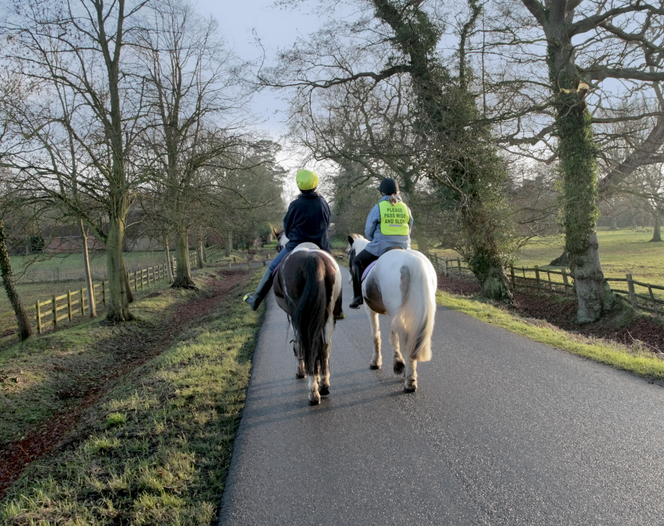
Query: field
{"type": "Point", "coordinates": [621, 252]}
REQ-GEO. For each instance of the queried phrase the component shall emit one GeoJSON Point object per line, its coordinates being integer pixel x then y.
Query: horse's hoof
{"type": "Point", "coordinates": [314, 400]}
{"type": "Point", "coordinates": [398, 367]}
{"type": "Point", "coordinates": [374, 366]}
{"type": "Point", "coordinates": [324, 390]}
{"type": "Point", "coordinates": [410, 388]}
{"type": "Point", "coordinates": [300, 375]}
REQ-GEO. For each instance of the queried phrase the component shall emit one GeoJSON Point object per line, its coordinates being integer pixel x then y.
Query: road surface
{"type": "Point", "coordinates": [502, 431]}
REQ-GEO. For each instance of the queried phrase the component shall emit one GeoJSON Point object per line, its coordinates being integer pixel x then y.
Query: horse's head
{"type": "Point", "coordinates": [356, 244]}
{"type": "Point", "coordinates": [283, 240]}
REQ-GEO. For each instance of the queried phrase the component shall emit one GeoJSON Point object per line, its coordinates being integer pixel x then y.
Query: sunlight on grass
{"type": "Point", "coordinates": [638, 362]}
{"type": "Point", "coordinates": [161, 440]}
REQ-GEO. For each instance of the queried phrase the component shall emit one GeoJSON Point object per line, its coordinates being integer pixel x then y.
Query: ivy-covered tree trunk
{"type": "Point", "coordinates": [461, 156]}
{"type": "Point", "coordinates": [578, 169]}
{"type": "Point", "coordinates": [169, 263]}
{"type": "Point", "coordinates": [118, 302]}
{"type": "Point", "coordinates": [183, 271]}
{"type": "Point", "coordinates": [24, 328]}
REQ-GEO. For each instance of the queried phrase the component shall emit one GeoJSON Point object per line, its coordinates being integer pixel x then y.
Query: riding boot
{"type": "Point", "coordinates": [254, 299]}
{"type": "Point", "coordinates": [357, 289]}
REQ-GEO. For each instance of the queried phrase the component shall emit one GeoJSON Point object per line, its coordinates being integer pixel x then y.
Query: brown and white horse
{"type": "Point", "coordinates": [307, 285]}
{"type": "Point", "coordinates": [402, 284]}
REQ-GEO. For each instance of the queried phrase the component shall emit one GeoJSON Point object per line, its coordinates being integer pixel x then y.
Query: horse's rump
{"type": "Point", "coordinates": [307, 285]}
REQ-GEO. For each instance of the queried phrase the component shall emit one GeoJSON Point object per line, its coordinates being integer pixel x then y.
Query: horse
{"type": "Point", "coordinates": [402, 285]}
{"type": "Point", "coordinates": [307, 285]}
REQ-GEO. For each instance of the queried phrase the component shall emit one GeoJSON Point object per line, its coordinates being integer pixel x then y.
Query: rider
{"type": "Point", "coordinates": [388, 226]}
{"type": "Point", "coordinates": [307, 219]}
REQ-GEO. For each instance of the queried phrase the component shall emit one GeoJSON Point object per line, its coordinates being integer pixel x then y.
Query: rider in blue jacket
{"type": "Point", "coordinates": [388, 226]}
{"type": "Point", "coordinates": [307, 220]}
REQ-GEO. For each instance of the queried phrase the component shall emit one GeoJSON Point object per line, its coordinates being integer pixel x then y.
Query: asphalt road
{"type": "Point", "coordinates": [502, 431]}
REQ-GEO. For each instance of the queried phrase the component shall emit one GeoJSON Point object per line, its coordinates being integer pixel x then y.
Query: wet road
{"type": "Point", "coordinates": [502, 431]}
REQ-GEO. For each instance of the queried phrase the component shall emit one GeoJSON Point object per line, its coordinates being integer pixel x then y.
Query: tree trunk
{"type": "Point", "coordinates": [229, 244]}
{"type": "Point", "coordinates": [169, 266]}
{"type": "Point", "coordinates": [562, 260]}
{"type": "Point", "coordinates": [88, 276]}
{"type": "Point", "coordinates": [578, 167]}
{"type": "Point", "coordinates": [183, 273]}
{"type": "Point", "coordinates": [118, 302]}
{"type": "Point", "coordinates": [199, 253]}
{"type": "Point", "coordinates": [656, 234]}
{"type": "Point", "coordinates": [24, 328]}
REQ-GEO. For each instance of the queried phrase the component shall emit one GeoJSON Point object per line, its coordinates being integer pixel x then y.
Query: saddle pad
{"type": "Point", "coordinates": [368, 269]}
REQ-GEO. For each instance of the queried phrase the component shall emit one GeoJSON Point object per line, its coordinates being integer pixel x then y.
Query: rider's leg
{"type": "Point", "coordinates": [254, 299]}
{"type": "Point", "coordinates": [360, 263]}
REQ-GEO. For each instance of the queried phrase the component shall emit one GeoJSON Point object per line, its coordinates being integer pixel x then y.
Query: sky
{"type": "Point", "coordinates": [241, 23]}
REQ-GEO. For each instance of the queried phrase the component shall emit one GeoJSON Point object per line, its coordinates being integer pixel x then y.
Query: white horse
{"type": "Point", "coordinates": [402, 284]}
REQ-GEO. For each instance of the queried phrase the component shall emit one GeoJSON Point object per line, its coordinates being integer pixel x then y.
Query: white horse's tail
{"type": "Point", "coordinates": [416, 317]}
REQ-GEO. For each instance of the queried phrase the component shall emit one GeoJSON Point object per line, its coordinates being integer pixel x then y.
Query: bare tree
{"type": "Point", "coordinates": [77, 48]}
{"type": "Point", "coordinates": [193, 88]}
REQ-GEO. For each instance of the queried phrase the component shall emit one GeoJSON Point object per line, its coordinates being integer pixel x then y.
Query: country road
{"type": "Point", "coordinates": [502, 431]}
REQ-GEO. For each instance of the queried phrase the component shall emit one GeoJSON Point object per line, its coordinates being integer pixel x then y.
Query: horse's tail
{"type": "Point", "coordinates": [417, 314]}
{"type": "Point", "coordinates": [310, 313]}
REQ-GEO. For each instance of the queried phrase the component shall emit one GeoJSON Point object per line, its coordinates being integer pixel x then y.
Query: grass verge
{"type": "Point", "coordinates": [633, 360]}
{"type": "Point", "coordinates": [156, 448]}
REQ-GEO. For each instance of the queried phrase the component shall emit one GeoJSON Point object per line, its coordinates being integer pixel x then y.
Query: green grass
{"type": "Point", "coordinates": [621, 252]}
{"type": "Point", "coordinates": [635, 360]}
{"type": "Point", "coordinates": [156, 448]}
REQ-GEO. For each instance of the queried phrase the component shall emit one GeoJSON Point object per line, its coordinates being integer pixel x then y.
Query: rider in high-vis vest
{"type": "Point", "coordinates": [388, 226]}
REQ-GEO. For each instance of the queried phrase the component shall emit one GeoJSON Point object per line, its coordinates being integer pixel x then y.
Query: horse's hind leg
{"type": "Point", "coordinates": [410, 385]}
{"type": "Point", "coordinates": [398, 364]}
{"type": "Point", "coordinates": [324, 388]}
{"type": "Point", "coordinates": [377, 360]}
{"type": "Point", "coordinates": [314, 395]}
{"type": "Point", "coordinates": [301, 371]}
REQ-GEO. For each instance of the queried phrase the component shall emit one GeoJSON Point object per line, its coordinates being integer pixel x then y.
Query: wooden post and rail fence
{"type": "Point", "coordinates": [643, 296]}
{"type": "Point", "coordinates": [57, 309]}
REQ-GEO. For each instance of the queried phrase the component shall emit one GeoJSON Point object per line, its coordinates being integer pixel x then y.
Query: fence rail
{"type": "Point", "coordinates": [643, 296]}
{"type": "Point", "coordinates": [57, 309]}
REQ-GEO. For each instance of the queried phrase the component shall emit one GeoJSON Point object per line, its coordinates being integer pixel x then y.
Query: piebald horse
{"type": "Point", "coordinates": [402, 285]}
{"type": "Point", "coordinates": [307, 285]}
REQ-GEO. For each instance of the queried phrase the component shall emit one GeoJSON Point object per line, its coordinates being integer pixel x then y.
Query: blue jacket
{"type": "Point", "coordinates": [379, 243]}
{"type": "Point", "coordinates": [307, 219]}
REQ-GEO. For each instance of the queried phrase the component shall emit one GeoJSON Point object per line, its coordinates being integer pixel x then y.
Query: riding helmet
{"type": "Point", "coordinates": [389, 186]}
{"type": "Point", "coordinates": [306, 180]}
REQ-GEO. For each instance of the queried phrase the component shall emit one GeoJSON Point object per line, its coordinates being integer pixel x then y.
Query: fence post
{"type": "Point", "coordinates": [39, 327]}
{"type": "Point", "coordinates": [512, 277]}
{"type": "Point", "coordinates": [537, 277]}
{"type": "Point", "coordinates": [654, 302]}
{"type": "Point", "coordinates": [103, 293]}
{"type": "Point", "coordinates": [565, 281]}
{"type": "Point", "coordinates": [69, 304]}
{"type": "Point", "coordinates": [632, 292]}
{"type": "Point", "coordinates": [459, 265]}
{"type": "Point", "coordinates": [447, 266]}
{"type": "Point", "coordinates": [82, 303]}
{"type": "Point", "coordinates": [55, 313]}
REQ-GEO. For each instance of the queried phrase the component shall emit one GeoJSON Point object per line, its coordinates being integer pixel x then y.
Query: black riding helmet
{"type": "Point", "coordinates": [389, 186]}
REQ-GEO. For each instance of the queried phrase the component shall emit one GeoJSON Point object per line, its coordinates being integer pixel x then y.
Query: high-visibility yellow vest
{"type": "Point", "coordinates": [394, 219]}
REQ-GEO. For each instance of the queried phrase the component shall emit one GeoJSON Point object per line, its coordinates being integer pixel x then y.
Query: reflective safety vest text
{"type": "Point", "coordinates": [394, 219]}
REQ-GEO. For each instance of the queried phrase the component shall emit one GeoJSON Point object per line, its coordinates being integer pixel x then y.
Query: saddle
{"type": "Point", "coordinates": [371, 265]}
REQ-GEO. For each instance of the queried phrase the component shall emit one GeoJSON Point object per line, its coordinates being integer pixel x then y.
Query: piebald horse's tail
{"type": "Point", "coordinates": [416, 317]}
{"type": "Point", "coordinates": [310, 312]}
